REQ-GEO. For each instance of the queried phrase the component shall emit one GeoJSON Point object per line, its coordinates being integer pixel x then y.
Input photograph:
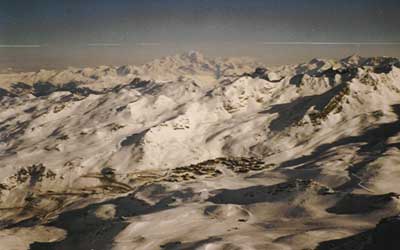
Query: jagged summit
{"type": "Point", "coordinates": [353, 60]}
{"type": "Point", "coordinates": [187, 57]}
{"type": "Point", "coordinates": [194, 56]}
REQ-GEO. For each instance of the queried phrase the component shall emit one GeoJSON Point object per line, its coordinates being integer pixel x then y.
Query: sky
{"type": "Point", "coordinates": [38, 34]}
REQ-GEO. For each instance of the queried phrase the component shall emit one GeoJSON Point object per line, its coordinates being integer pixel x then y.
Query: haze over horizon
{"type": "Point", "coordinates": [49, 34]}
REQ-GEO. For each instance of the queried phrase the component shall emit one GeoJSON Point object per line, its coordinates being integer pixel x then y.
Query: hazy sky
{"type": "Point", "coordinates": [57, 33]}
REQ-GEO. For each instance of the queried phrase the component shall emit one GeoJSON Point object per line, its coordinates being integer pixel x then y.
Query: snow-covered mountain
{"type": "Point", "coordinates": [187, 152]}
{"type": "Point", "coordinates": [191, 65]}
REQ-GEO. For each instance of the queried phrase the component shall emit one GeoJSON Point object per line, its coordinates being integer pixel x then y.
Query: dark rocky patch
{"type": "Point", "coordinates": [262, 73]}
{"type": "Point", "coordinates": [75, 89]}
{"type": "Point", "coordinates": [43, 89]}
{"type": "Point", "coordinates": [380, 61]}
{"type": "Point", "coordinates": [14, 131]}
{"type": "Point", "coordinates": [20, 88]}
{"type": "Point", "coordinates": [171, 245]}
{"type": "Point", "coordinates": [58, 108]}
{"type": "Point", "coordinates": [30, 110]}
{"type": "Point", "coordinates": [108, 173]}
{"type": "Point", "coordinates": [333, 105]}
{"type": "Point", "coordinates": [121, 108]}
{"type": "Point", "coordinates": [34, 173]}
{"type": "Point", "coordinates": [62, 137]}
{"type": "Point", "coordinates": [259, 72]}
{"type": "Point", "coordinates": [40, 112]}
{"type": "Point", "coordinates": [297, 80]}
{"type": "Point", "coordinates": [115, 126]}
{"type": "Point", "coordinates": [52, 148]}
{"type": "Point", "coordinates": [347, 74]}
{"type": "Point", "coordinates": [85, 91]}
{"type": "Point", "coordinates": [134, 139]}
{"type": "Point", "coordinates": [138, 83]}
{"type": "Point", "coordinates": [321, 103]}
{"type": "Point", "coordinates": [384, 69]}
{"type": "Point", "coordinates": [5, 93]}
{"type": "Point", "coordinates": [56, 132]}
{"type": "Point", "coordinates": [40, 89]}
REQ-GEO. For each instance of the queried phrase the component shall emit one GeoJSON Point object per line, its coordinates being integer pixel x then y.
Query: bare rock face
{"type": "Point", "coordinates": [4, 93]}
{"type": "Point", "coordinates": [264, 73]}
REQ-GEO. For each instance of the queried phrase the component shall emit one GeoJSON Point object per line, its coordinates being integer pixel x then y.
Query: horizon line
{"type": "Point", "coordinates": [20, 45]}
{"type": "Point", "coordinates": [331, 43]}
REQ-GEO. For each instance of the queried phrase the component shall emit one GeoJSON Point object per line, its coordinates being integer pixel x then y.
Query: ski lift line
{"type": "Point", "coordinates": [360, 183]}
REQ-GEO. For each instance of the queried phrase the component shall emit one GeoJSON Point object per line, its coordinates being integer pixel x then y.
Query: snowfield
{"type": "Point", "coordinates": [188, 152]}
